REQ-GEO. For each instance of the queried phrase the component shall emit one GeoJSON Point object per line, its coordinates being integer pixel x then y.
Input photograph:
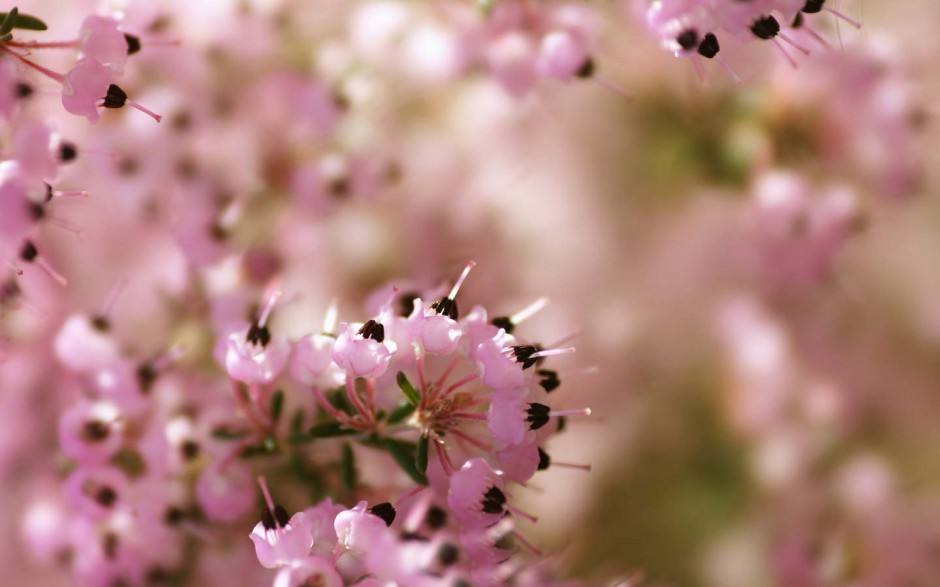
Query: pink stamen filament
{"type": "Point", "coordinates": [559, 413]}
{"type": "Point", "coordinates": [266, 493]}
{"type": "Point", "coordinates": [529, 311]}
{"type": "Point", "coordinates": [245, 406]}
{"type": "Point", "coordinates": [458, 384]}
{"type": "Point", "coordinates": [731, 73]}
{"type": "Point", "coordinates": [69, 193]}
{"type": "Point", "coordinates": [329, 320]}
{"type": "Point", "coordinates": [517, 512]}
{"type": "Point", "coordinates": [572, 466]}
{"type": "Point", "coordinates": [74, 44]}
{"type": "Point", "coordinates": [794, 44]}
{"type": "Point", "coordinates": [786, 55]}
{"type": "Point", "coordinates": [443, 457]}
{"type": "Point", "coordinates": [113, 297]}
{"type": "Point", "coordinates": [51, 271]}
{"type": "Point", "coordinates": [67, 226]}
{"type": "Point", "coordinates": [552, 353]}
{"type": "Point", "coordinates": [388, 301]}
{"type": "Point", "coordinates": [819, 38]}
{"type": "Point", "coordinates": [354, 399]}
{"type": "Point", "coordinates": [610, 86]}
{"type": "Point", "coordinates": [268, 307]}
{"type": "Point", "coordinates": [466, 271]}
{"type": "Point", "coordinates": [699, 69]}
{"type": "Point", "coordinates": [468, 416]}
{"type": "Point", "coordinates": [46, 72]}
{"type": "Point", "coordinates": [145, 110]}
{"type": "Point", "coordinates": [838, 14]}
{"type": "Point", "coordinates": [469, 439]}
{"type": "Point", "coordinates": [531, 547]}
{"type": "Point", "coordinates": [333, 412]}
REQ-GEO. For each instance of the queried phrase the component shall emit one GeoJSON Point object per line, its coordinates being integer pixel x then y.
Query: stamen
{"type": "Point", "coordinates": [520, 513]}
{"type": "Point", "coordinates": [553, 352]}
{"type": "Point", "coordinates": [30, 254]}
{"type": "Point", "coordinates": [842, 16]}
{"type": "Point", "coordinates": [699, 69]}
{"type": "Point", "coordinates": [612, 87]}
{"type": "Point", "coordinates": [46, 72]}
{"type": "Point", "coordinates": [786, 55]}
{"type": "Point", "coordinates": [263, 484]}
{"type": "Point", "coordinates": [794, 44]}
{"type": "Point", "coordinates": [731, 72]}
{"type": "Point", "coordinates": [145, 110]}
{"type": "Point", "coordinates": [268, 307]}
{"type": "Point", "coordinates": [529, 311]}
{"type": "Point", "coordinates": [531, 547]}
{"type": "Point", "coordinates": [466, 271]}
{"type": "Point", "coordinates": [329, 320]}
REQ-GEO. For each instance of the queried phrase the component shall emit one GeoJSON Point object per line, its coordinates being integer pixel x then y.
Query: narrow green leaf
{"type": "Point", "coordinates": [404, 455]}
{"type": "Point", "coordinates": [347, 468]}
{"type": "Point", "coordinates": [6, 37]}
{"type": "Point", "coordinates": [277, 405]}
{"type": "Point", "coordinates": [399, 414]}
{"type": "Point", "coordinates": [408, 389]}
{"type": "Point", "coordinates": [297, 422]}
{"type": "Point", "coordinates": [29, 23]}
{"type": "Point", "coordinates": [227, 434]}
{"type": "Point", "coordinates": [330, 430]}
{"type": "Point", "coordinates": [9, 20]}
{"type": "Point", "coordinates": [421, 455]}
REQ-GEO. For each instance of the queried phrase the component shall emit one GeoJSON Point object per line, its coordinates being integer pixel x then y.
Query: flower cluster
{"type": "Point", "coordinates": [691, 28]}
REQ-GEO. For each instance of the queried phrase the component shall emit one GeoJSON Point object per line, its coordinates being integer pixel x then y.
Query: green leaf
{"type": "Point", "coordinates": [399, 414]}
{"type": "Point", "coordinates": [20, 21]}
{"type": "Point", "coordinates": [6, 37]}
{"type": "Point", "coordinates": [404, 454]}
{"type": "Point", "coordinates": [277, 405]}
{"type": "Point", "coordinates": [408, 389]}
{"type": "Point", "coordinates": [297, 422]}
{"type": "Point", "coordinates": [9, 20]}
{"type": "Point", "coordinates": [330, 430]}
{"type": "Point", "coordinates": [339, 400]}
{"type": "Point", "coordinates": [347, 468]}
{"type": "Point", "coordinates": [227, 434]}
{"type": "Point", "coordinates": [421, 455]}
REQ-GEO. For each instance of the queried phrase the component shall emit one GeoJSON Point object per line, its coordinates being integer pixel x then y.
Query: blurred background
{"type": "Point", "coordinates": [752, 270]}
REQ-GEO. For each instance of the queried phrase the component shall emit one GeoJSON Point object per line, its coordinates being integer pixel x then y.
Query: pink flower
{"type": "Point", "coordinates": [85, 344]}
{"type": "Point", "coordinates": [91, 432]}
{"type": "Point", "coordinates": [280, 542]}
{"type": "Point", "coordinates": [102, 41]}
{"type": "Point", "coordinates": [564, 56]}
{"type": "Point", "coordinates": [312, 570]}
{"type": "Point", "coordinates": [366, 352]}
{"type": "Point", "coordinates": [253, 356]}
{"type": "Point", "coordinates": [85, 86]}
{"type": "Point", "coordinates": [475, 495]}
{"type": "Point", "coordinates": [359, 530]}
{"type": "Point", "coordinates": [225, 491]}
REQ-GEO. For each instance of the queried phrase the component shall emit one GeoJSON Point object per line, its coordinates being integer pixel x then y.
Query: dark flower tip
{"type": "Point", "coordinates": [494, 500]}
{"type": "Point", "coordinates": [447, 307]}
{"type": "Point", "coordinates": [115, 98]}
{"type": "Point", "coordinates": [373, 330]}
{"type": "Point", "coordinates": [258, 334]}
{"type": "Point", "coordinates": [276, 519]}
{"type": "Point", "coordinates": [537, 415]}
{"type": "Point", "coordinates": [384, 510]}
{"type": "Point", "coordinates": [523, 354]}
{"type": "Point", "coordinates": [503, 322]}
{"type": "Point", "coordinates": [766, 28]}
